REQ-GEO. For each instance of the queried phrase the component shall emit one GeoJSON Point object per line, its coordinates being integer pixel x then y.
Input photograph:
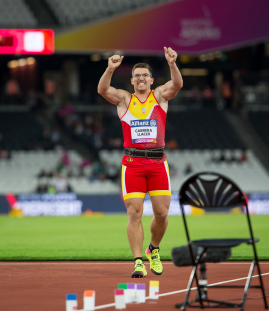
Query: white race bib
{"type": "Point", "coordinates": [144, 131]}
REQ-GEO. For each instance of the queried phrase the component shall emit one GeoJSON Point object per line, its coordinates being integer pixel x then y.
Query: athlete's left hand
{"type": "Point", "coordinates": [170, 55]}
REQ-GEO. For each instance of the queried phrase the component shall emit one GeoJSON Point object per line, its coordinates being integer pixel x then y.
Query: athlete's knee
{"type": "Point", "coordinates": [134, 211]}
{"type": "Point", "coordinates": [161, 215]}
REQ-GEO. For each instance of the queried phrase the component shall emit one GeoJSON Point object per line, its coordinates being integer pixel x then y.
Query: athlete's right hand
{"type": "Point", "coordinates": [114, 61]}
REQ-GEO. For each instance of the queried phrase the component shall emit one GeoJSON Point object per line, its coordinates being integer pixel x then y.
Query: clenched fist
{"type": "Point", "coordinates": [170, 55]}
{"type": "Point", "coordinates": [114, 61]}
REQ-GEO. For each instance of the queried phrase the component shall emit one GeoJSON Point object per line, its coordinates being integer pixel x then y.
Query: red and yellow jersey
{"type": "Point", "coordinates": [143, 126]}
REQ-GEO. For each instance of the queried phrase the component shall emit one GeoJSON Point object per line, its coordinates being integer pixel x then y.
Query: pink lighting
{"type": "Point", "coordinates": [26, 41]}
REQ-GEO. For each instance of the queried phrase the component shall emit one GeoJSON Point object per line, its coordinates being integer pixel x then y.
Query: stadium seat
{"type": "Point", "coordinates": [211, 192]}
{"type": "Point", "coordinates": [70, 12]}
{"type": "Point", "coordinates": [14, 13]}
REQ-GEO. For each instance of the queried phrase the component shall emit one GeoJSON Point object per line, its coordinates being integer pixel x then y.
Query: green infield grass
{"type": "Point", "coordinates": [105, 238]}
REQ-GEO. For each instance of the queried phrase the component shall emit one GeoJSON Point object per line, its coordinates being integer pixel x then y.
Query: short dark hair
{"type": "Point", "coordinates": [142, 65]}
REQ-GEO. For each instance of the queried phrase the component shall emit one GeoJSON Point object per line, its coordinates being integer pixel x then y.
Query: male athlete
{"type": "Point", "coordinates": [144, 165]}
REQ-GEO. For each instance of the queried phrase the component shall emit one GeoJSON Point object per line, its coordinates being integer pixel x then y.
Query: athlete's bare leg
{"type": "Point", "coordinates": [135, 231]}
{"type": "Point", "coordinates": [160, 205]}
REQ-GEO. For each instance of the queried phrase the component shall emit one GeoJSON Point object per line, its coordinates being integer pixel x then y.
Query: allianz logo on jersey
{"type": "Point", "coordinates": [146, 122]}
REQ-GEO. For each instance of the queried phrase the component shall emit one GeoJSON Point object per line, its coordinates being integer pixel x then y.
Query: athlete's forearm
{"type": "Point", "coordinates": [176, 77]}
{"type": "Point", "coordinates": [105, 81]}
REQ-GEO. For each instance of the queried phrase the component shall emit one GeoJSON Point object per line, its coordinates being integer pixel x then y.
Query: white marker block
{"type": "Point", "coordinates": [130, 293]}
{"type": "Point", "coordinates": [124, 287]}
{"type": "Point", "coordinates": [119, 299]}
{"type": "Point", "coordinates": [153, 289]}
{"type": "Point", "coordinates": [140, 293]}
{"type": "Point", "coordinates": [89, 300]}
{"type": "Point", "coordinates": [71, 302]}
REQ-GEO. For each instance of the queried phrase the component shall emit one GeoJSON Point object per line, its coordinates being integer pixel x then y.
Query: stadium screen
{"type": "Point", "coordinates": [26, 41]}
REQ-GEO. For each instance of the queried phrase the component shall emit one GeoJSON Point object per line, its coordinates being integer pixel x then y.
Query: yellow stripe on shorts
{"type": "Point", "coordinates": [134, 195]}
{"type": "Point", "coordinates": [160, 192]}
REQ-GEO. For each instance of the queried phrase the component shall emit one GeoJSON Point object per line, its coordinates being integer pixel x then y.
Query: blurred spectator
{"type": "Point", "coordinates": [88, 131]}
{"type": "Point", "coordinates": [172, 144]}
{"type": "Point", "coordinates": [208, 96]}
{"type": "Point", "coordinates": [48, 97]}
{"type": "Point", "coordinates": [61, 184]}
{"type": "Point", "coordinates": [79, 128]}
{"type": "Point", "coordinates": [222, 157]}
{"type": "Point", "coordinates": [50, 88]}
{"type": "Point", "coordinates": [114, 143]}
{"type": "Point", "coordinates": [12, 92]}
{"type": "Point", "coordinates": [68, 122]}
{"type": "Point", "coordinates": [227, 94]}
{"type": "Point", "coordinates": [84, 163]}
{"type": "Point", "coordinates": [98, 131]}
{"type": "Point", "coordinates": [98, 172]}
{"type": "Point", "coordinates": [42, 188]}
{"type": "Point", "coordinates": [55, 136]}
{"type": "Point", "coordinates": [66, 110]}
{"type": "Point", "coordinates": [65, 160]}
{"type": "Point", "coordinates": [243, 158]}
{"type": "Point", "coordinates": [188, 169]}
{"type": "Point", "coordinates": [5, 154]}
{"type": "Point", "coordinates": [194, 94]}
{"type": "Point", "coordinates": [88, 120]}
{"type": "Point", "coordinates": [42, 174]}
{"type": "Point", "coordinates": [232, 158]}
{"type": "Point", "coordinates": [97, 141]}
{"type": "Point", "coordinates": [51, 189]}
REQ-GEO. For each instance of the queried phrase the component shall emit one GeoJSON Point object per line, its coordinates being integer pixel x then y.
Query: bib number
{"type": "Point", "coordinates": [144, 131]}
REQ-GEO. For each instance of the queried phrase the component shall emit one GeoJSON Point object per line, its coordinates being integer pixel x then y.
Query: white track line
{"type": "Point", "coordinates": [237, 263]}
{"type": "Point", "coordinates": [3, 263]}
{"type": "Point", "coordinates": [178, 291]}
{"type": "Point", "coordinates": [210, 285]}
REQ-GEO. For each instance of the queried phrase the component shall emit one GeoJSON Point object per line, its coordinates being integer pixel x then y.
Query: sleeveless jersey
{"type": "Point", "coordinates": [143, 126]}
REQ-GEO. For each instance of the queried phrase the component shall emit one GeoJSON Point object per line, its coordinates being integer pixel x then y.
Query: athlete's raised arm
{"type": "Point", "coordinates": [114, 96]}
{"type": "Point", "coordinates": [170, 89]}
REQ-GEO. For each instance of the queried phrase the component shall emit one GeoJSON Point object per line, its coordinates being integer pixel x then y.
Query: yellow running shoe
{"type": "Point", "coordinates": [139, 269]}
{"type": "Point", "coordinates": [155, 263]}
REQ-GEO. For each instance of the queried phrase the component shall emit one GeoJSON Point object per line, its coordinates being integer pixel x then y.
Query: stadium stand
{"type": "Point", "coordinates": [191, 129]}
{"type": "Point", "coordinates": [71, 12]}
{"type": "Point", "coordinates": [15, 13]}
{"type": "Point", "coordinates": [22, 173]}
{"type": "Point", "coordinates": [249, 174]}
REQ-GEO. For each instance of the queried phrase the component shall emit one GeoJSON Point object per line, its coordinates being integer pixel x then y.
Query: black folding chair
{"type": "Point", "coordinates": [212, 191]}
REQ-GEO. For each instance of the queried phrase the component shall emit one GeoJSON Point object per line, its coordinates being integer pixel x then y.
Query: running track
{"type": "Point", "coordinates": [42, 286]}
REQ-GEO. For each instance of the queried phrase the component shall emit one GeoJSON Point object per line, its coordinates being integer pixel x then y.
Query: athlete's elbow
{"type": "Point", "coordinates": [101, 90]}
{"type": "Point", "coordinates": [180, 85]}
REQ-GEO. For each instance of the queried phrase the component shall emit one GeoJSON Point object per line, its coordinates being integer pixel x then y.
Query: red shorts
{"type": "Point", "coordinates": [138, 180]}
